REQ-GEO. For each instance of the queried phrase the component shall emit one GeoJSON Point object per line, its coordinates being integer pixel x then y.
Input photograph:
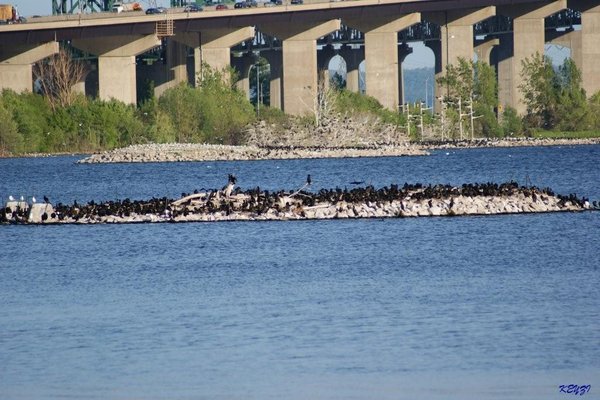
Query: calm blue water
{"type": "Point", "coordinates": [501, 307]}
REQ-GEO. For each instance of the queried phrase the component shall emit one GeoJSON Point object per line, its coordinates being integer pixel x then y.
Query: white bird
{"type": "Point", "coordinates": [22, 198]}
{"type": "Point", "coordinates": [10, 198]}
{"type": "Point", "coordinates": [33, 199]}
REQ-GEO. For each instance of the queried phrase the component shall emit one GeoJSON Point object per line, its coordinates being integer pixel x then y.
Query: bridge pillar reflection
{"type": "Point", "coordinates": [382, 71]}
{"type": "Point", "coordinates": [456, 42]}
{"type": "Point", "coordinates": [528, 38]}
{"type": "Point", "coordinates": [299, 53]}
{"type": "Point", "coordinates": [116, 63]}
{"type": "Point", "coordinates": [590, 43]}
{"type": "Point", "coordinates": [16, 64]}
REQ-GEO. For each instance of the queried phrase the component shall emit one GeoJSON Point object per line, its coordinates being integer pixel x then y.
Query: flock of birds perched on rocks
{"type": "Point", "coordinates": [231, 199]}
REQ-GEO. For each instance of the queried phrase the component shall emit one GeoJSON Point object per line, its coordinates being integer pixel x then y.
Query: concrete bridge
{"type": "Point", "coordinates": [117, 39]}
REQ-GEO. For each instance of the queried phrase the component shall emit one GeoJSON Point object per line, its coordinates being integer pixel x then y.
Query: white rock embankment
{"type": "Point", "coordinates": [207, 152]}
{"type": "Point", "coordinates": [453, 206]}
{"type": "Point", "coordinates": [506, 142]}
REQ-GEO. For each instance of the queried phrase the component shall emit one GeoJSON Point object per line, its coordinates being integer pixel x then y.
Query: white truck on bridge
{"type": "Point", "coordinates": [124, 7]}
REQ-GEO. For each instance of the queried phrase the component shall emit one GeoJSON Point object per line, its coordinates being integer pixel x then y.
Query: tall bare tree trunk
{"type": "Point", "coordinates": [57, 76]}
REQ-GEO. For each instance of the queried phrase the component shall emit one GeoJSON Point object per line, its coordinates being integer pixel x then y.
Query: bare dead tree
{"type": "Point", "coordinates": [324, 100]}
{"type": "Point", "coordinates": [57, 75]}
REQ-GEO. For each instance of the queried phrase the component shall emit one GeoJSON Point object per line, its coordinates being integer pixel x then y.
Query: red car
{"type": "Point", "coordinates": [222, 7]}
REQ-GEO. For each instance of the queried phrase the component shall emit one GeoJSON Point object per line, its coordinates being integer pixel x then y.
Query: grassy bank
{"type": "Point", "coordinates": [566, 135]}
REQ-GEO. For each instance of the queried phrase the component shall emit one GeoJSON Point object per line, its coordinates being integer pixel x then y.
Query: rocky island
{"type": "Point", "coordinates": [233, 204]}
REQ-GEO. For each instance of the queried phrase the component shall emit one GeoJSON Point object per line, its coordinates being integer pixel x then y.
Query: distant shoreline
{"type": "Point", "coordinates": [182, 152]}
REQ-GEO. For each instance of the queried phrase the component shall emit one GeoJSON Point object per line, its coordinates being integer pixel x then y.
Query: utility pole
{"type": "Point", "coordinates": [257, 88]}
{"type": "Point", "coordinates": [473, 116]}
{"type": "Point", "coordinates": [426, 81]}
{"type": "Point", "coordinates": [460, 115]}
{"type": "Point", "coordinates": [407, 108]}
{"type": "Point", "coordinates": [421, 125]}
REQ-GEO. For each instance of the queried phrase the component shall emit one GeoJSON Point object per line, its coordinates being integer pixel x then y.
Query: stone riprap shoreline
{"type": "Point", "coordinates": [208, 152]}
{"type": "Point", "coordinates": [181, 152]}
{"type": "Point", "coordinates": [505, 142]}
{"type": "Point", "coordinates": [231, 204]}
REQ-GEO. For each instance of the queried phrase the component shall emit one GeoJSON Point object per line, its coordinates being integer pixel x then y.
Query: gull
{"type": "Point", "coordinates": [10, 198]}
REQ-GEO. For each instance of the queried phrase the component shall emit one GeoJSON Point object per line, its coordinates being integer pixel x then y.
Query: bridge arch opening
{"type": "Point", "coordinates": [418, 73]}
{"type": "Point", "coordinates": [259, 76]}
{"type": "Point", "coordinates": [338, 72]}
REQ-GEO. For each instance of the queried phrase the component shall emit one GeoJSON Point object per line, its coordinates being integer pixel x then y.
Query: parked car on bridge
{"type": "Point", "coordinates": [156, 10]}
{"type": "Point", "coordinates": [222, 7]}
{"type": "Point", "coordinates": [192, 8]}
{"type": "Point", "coordinates": [297, 2]}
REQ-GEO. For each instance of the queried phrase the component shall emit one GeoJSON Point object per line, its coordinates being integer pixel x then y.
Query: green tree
{"type": "Point", "coordinates": [573, 110]}
{"type": "Point", "coordinates": [181, 104]}
{"type": "Point", "coordinates": [467, 82]}
{"type": "Point", "coordinates": [11, 141]}
{"type": "Point", "coordinates": [540, 88]}
{"type": "Point", "coordinates": [554, 97]}
{"type": "Point", "coordinates": [30, 112]}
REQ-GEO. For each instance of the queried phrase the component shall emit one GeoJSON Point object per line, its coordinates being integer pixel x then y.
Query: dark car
{"type": "Point", "coordinates": [157, 10]}
{"type": "Point", "coordinates": [240, 4]}
{"type": "Point", "coordinates": [222, 7]}
{"type": "Point", "coordinates": [192, 8]}
{"type": "Point", "coordinates": [297, 2]}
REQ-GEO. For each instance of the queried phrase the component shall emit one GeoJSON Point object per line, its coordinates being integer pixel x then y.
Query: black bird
{"type": "Point", "coordinates": [46, 200]}
{"type": "Point", "coordinates": [357, 182]}
{"type": "Point", "coordinates": [232, 179]}
{"type": "Point", "coordinates": [308, 180]}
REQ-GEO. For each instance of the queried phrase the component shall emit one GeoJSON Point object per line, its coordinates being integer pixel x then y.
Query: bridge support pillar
{"type": "Point", "coordinates": [116, 63]}
{"type": "Point", "coordinates": [216, 45]}
{"type": "Point", "coordinates": [324, 57]}
{"type": "Point", "coordinates": [300, 74]}
{"type": "Point", "coordinates": [403, 51]}
{"type": "Point", "coordinates": [456, 38]}
{"type": "Point", "coordinates": [483, 49]}
{"type": "Point", "coordinates": [170, 73]}
{"type": "Point", "coordinates": [275, 59]}
{"type": "Point", "coordinates": [353, 58]}
{"type": "Point", "coordinates": [16, 64]}
{"type": "Point", "coordinates": [590, 44]}
{"type": "Point", "coordinates": [528, 38]}
{"type": "Point", "coordinates": [192, 40]}
{"type": "Point", "coordinates": [242, 66]}
{"type": "Point", "coordinates": [382, 71]}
